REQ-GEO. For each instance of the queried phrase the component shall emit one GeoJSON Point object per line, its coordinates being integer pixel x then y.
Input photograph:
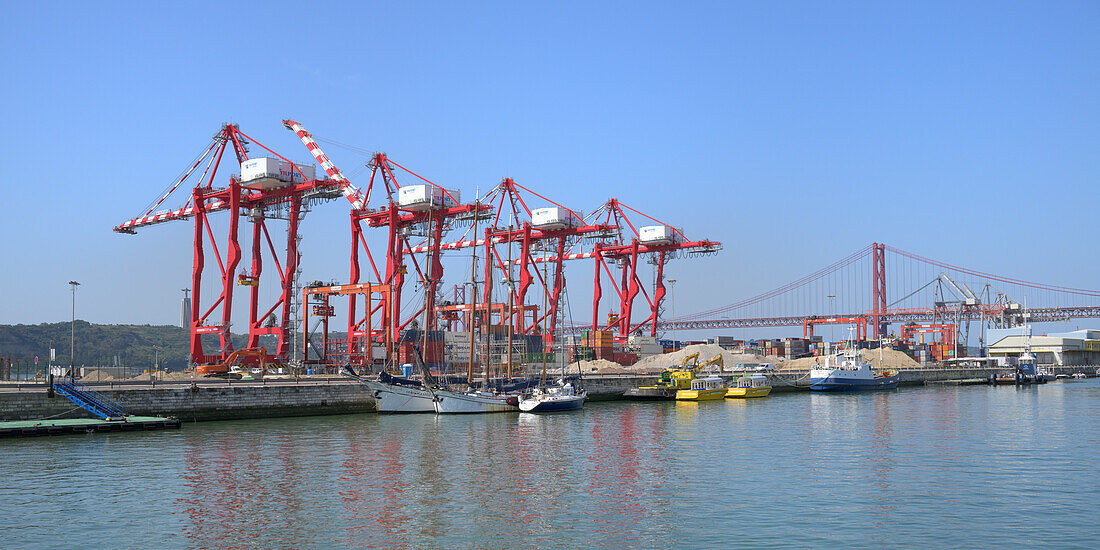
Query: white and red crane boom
{"type": "Point", "coordinates": [352, 193]}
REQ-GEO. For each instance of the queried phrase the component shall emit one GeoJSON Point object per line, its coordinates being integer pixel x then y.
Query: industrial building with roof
{"type": "Point", "coordinates": [1080, 347]}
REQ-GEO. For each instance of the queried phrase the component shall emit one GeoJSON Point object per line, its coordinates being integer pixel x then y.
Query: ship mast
{"type": "Point", "coordinates": [473, 301]}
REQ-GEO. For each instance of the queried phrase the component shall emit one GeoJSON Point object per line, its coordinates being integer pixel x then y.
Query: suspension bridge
{"type": "Point", "coordinates": [882, 285]}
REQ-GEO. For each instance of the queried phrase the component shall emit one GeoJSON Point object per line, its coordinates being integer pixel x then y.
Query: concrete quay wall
{"type": "Point", "coordinates": [221, 401]}
{"type": "Point", "coordinates": [201, 402]}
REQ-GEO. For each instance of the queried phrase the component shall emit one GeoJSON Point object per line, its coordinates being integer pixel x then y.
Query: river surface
{"type": "Point", "coordinates": [917, 467]}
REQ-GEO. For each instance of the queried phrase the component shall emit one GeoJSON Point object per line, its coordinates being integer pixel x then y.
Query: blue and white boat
{"type": "Point", "coordinates": [851, 374]}
{"type": "Point", "coordinates": [562, 396]}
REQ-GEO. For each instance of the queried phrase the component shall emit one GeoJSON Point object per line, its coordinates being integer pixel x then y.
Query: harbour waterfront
{"type": "Point", "coordinates": [928, 467]}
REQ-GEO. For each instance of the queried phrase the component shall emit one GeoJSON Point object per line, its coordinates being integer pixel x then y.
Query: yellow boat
{"type": "Point", "coordinates": [703, 389]}
{"type": "Point", "coordinates": [665, 388]}
{"type": "Point", "coordinates": [751, 386]}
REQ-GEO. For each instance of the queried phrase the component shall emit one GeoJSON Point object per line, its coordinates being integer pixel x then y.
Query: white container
{"type": "Point", "coordinates": [554, 218]}
{"type": "Point", "coordinates": [424, 197]}
{"type": "Point", "coordinates": [657, 234]}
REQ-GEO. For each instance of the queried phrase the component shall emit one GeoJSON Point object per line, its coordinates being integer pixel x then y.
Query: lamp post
{"type": "Point", "coordinates": [156, 364]}
{"type": "Point", "coordinates": [832, 312]}
{"type": "Point", "coordinates": [72, 330]}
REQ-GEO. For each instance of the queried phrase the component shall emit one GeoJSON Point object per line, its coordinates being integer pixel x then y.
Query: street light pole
{"type": "Point", "coordinates": [832, 312]}
{"type": "Point", "coordinates": [72, 330]}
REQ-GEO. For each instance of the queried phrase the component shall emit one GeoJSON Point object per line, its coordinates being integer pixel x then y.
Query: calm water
{"type": "Point", "coordinates": [927, 467]}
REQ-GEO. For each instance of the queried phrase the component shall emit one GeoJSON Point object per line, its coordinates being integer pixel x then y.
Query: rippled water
{"type": "Point", "coordinates": [927, 467]}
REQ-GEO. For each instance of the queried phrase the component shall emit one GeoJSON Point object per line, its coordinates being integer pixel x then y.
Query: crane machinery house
{"type": "Point", "coordinates": [658, 234]}
{"type": "Point", "coordinates": [271, 173]}
{"type": "Point", "coordinates": [425, 197]}
{"type": "Point", "coordinates": [554, 218]}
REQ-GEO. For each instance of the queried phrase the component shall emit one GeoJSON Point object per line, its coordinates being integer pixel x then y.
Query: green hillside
{"type": "Point", "coordinates": [98, 345]}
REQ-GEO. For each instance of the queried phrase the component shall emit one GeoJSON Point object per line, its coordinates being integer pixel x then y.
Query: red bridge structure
{"type": "Point", "coordinates": [881, 285]}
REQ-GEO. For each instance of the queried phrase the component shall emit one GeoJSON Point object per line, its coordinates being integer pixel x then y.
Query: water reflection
{"type": "Point", "coordinates": [916, 467]}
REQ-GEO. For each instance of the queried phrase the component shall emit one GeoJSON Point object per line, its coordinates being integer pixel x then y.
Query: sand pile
{"type": "Point", "coordinates": [180, 376]}
{"type": "Point", "coordinates": [602, 366]}
{"type": "Point", "coordinates": [891, 359]}
{"type": "Point", "coordinates": [97, 376]}
{"type": "Point", "coordinates": [658, 363]}
{"type": "Point", "coordinates": [706, 352]}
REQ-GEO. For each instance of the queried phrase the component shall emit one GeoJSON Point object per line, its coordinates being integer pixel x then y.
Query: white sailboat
{"type": "Point", "coordinates": [474, 401]}
{"type": "Point", "coordinates": [562, 396]}
{"type": "Point", "coordinates": [398, 395]}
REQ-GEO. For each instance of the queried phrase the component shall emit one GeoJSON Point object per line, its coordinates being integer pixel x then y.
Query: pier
{"type": "Point", "coordinates": [271, 398]}
{"type": "Point", "coordinates": [25, 428]}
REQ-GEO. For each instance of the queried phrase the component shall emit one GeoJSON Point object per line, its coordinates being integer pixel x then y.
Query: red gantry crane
{"type": "Point", "coordinates": [266, 188]}
{"type": "Point", "coordinates": [565, 229]}
{"type": "Point", "coordinates": [424, 208]}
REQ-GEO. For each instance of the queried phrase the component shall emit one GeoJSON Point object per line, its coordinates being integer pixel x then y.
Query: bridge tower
{"type": "Point", "coordinates": [878, 288]}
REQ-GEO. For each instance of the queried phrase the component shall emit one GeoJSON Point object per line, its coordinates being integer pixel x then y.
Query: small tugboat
{"type": "Point", "coordinates": [755, 385]}
{"type": "Point", "coordinates": [852, 373]}
{"type": "Point", "coordinates": [1025, 373]}
{"type": "Point", "coordinates": [703, 389]}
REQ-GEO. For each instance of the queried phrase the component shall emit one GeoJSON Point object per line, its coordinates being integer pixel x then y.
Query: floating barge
{"type": "Point", "coordinates": [29, 428]}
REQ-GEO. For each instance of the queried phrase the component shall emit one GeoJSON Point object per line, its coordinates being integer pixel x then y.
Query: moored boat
{"type": "Point", "coordinates": [755, 385]}
{"type": "Point", "coordinates": [393, 394]}
{"type": "Point", "coordinates": [703, 389]}
{"type": "Point", "coordinates": [559, 397]}
{"type": "Point", "coordinates": [852, 374]}
{"type": "Point", "coordinates": [1026, 372]}
{"type": "Point", "coordinates": [665, 388]}
{"type": "Point", "coordinates": [474, 401]}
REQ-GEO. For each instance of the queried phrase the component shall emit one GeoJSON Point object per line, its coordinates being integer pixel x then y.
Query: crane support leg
{"type": "Point", "coordinates": [353, 278]}
{"type": "Point", "coordinates": [197, 354]}
{"type": "Point", "coordinates": [288, 276]}
{"type": "Point", "coordinates": [233, 258]}
{"type": "Point", "coordinates": [524, 279]}
{"type": "Point", "coordinates": [255, 324]}
{"type": "Point", "coordinates": [629, 291]}
{"type": "Point", "coordinates": [559, 282]}
{"type": "Point", "coordinates": [435, 274]}
{"type": "Point", "coordinates": [394, 276]}
{"type": "Point", "coordinates": [596, 292]}
{"type": "Point", "coordinates": [658, 292]}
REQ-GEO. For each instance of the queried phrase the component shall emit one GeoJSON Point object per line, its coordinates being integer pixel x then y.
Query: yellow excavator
{"type": "Point", "coordinates": [673, 379]}
{"type": "Point", "coordinates": [715, 362]}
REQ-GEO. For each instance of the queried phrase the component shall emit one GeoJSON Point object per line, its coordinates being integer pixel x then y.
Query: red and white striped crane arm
{"type": "Point", "coordinates": [349, 190]}
{"type": "Point", "coordinates": [168, 215]}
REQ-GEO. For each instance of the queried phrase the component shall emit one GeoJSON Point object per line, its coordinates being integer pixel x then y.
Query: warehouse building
{"type": "Point", "coordinates": [1080, 347]}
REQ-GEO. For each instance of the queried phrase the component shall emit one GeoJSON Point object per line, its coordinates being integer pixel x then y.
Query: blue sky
{"type": "Point", "coordinates": [795, 133]}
